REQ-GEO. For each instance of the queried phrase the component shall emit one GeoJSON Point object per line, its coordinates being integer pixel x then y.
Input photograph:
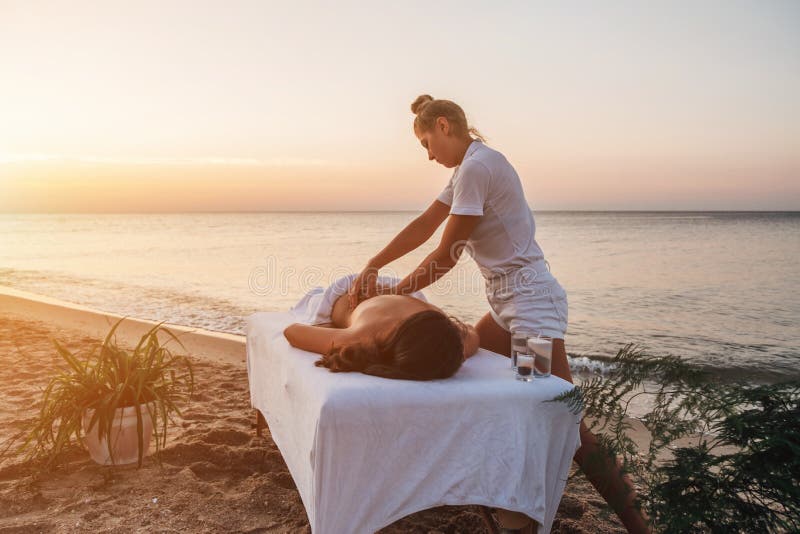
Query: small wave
{"type": "Point", "coordinates": [599, 365]}
{"type": "Point", "coordinates": [584, 364]}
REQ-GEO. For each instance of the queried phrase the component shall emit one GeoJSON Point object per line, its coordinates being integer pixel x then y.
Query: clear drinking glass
{"type": "Point", "coordinates": [525, 367]}
{"type": "Point", "coordinates": [541, 349]}
{"type": "Point", "coordinates": [519, 345]}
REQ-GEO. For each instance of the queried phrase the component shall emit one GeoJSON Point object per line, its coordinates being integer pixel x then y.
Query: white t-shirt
{"type": "Point", "coordinates": [486, 184]}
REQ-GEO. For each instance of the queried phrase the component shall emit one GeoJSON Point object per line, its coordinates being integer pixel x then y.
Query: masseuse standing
{"type": "Point", "coordinates": [487, 215]}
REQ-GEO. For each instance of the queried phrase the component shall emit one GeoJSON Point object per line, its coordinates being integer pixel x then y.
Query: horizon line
{"type": "Point", "coordinates": [183, 212]}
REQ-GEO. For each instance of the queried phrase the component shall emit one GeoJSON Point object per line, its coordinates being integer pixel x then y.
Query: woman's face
{"type": "Point", "coordinates": [438, 143]}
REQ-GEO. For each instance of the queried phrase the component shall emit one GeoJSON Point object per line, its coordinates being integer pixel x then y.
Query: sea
{"type": "Point", "coordinates": [720, 289]}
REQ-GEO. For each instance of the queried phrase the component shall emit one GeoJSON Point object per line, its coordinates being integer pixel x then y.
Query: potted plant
{"type": "Point", "coordinates": [112, 400]}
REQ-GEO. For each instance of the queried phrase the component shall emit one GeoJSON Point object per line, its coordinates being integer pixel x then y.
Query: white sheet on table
{"type": "Point", "coordinates": [366, 451]}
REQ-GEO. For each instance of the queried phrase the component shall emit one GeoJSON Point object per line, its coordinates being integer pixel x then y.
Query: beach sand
{"type": "Point", "coordinates": [216, 474]}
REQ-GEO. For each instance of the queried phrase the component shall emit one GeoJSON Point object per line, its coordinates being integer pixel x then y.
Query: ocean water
{"type": "Point", "coordinates": [721, 289]}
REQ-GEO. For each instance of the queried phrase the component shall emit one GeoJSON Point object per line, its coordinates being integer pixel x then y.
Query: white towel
{"type": "Point", "coordinates": [316, 306]}
{"type": "Point", "coordinates": [366, 451]}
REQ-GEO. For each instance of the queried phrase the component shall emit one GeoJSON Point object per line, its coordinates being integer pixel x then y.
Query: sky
{"type": "Point", "coordinates": [258, 106]}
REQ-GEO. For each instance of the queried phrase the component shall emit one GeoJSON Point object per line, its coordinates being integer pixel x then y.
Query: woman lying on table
{"type": "Point", "coordinates": [392, 336]}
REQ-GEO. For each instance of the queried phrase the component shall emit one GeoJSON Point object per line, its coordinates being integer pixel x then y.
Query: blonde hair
{"type": "Point", "coordinates": [427, 109]}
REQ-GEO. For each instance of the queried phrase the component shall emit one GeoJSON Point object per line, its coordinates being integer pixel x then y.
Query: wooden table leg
{"type": "Point", "coordinates": [486, 514]}
{"type": "Point", "coordinates": [260, 423]}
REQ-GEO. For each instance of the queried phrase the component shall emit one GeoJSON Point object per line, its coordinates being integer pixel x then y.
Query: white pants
{"type": "Point", "coordinates": [529, 299]}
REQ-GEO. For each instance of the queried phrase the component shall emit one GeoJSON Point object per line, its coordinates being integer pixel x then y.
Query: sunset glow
{"type": "Point", "coordinates": [257, 106]}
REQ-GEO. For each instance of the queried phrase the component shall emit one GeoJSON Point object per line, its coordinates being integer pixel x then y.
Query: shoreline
{"type": "Point", "coordinates": [217, 346]}
{"type": "Point", "coordinates": [227, 346]}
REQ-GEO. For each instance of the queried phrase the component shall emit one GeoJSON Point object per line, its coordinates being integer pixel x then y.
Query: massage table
{"type": "Point", "coordinates": [365, 451]}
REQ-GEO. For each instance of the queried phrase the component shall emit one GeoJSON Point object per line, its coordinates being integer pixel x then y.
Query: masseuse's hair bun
{"type": "Point", "coordinates": [420, 103]}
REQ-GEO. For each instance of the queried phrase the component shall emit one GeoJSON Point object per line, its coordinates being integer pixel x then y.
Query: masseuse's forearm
{"type": "Point", "coordinates": [433, 267]}
{"type": "Point", "coordinates": [409, 238]}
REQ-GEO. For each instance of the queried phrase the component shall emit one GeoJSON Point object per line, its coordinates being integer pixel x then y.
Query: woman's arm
{"type": "Point", "coordinates": [317, 339]}
{"type": "Point", "coordinates": [412, 236]}
{"type": "Point", "coordinates": [440, 261]}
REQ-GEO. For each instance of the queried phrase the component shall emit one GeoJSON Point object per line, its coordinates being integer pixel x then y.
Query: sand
{"type": "Point", "coordinates": [215, 475]}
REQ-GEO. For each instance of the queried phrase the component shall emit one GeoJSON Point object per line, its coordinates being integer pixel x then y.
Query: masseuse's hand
{"type": "Point", "coordinates": [364, 286]}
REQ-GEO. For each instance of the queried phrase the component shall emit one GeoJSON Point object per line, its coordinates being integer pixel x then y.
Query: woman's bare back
{"type": "Point", "coordinates": [372, 317]}
{"type": "Point", "coordinates": [389, 308]}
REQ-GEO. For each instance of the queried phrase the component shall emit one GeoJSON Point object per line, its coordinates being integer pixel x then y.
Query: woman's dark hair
{"type": "Point", "coordinates": [425, 346]}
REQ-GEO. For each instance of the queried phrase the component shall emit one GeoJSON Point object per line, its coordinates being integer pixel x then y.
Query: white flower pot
{"type": "Point", "coordinates": [124, 437]}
